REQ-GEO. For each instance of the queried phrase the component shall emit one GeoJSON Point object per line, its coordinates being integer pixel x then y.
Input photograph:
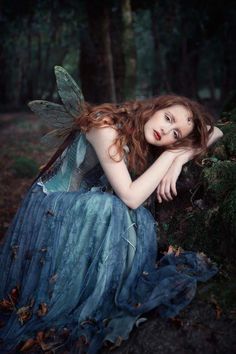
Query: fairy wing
{"type": "Point", "coordinates": [69, 92]}
{"type": "Point", "coordinates": [60, 116]}
{"type": "Point", "coordinates": [51, 113]}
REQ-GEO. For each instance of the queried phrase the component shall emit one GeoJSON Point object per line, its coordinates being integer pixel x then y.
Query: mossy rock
{"type": "Point", "coordinates": [200, 230]}
{"type": "Point", "coordinates": [230, 143]}
{"type": "Point", "coordinates": [225, 147]}
{"type": "Point", "coordinates": [232, 116]}
{"type": "Point", "coordinates": [219, 179]}
{"type": "Point", "coordinates": [24, 167]}
{"type": "Point", "coordinates": [219, 150]}
{"type": "Point", "coordinates": [229, 127]}
{"type": "Point", "coordinates": [228, 212]}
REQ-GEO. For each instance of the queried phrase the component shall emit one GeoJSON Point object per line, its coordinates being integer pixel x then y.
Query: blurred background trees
{"type": "Point", "coordinates": [118, 49]}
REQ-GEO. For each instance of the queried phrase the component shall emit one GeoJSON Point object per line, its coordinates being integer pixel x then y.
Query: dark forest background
{"type": "Point", "coordinates": [118, 49]}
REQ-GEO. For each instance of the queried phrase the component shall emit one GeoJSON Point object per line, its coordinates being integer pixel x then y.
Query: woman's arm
{"type": "Point", "coordinates": [189, 155]}
{"type": "Point", "coordinates": [167, 187]}
{"type": "Point", "coordinates": [132, 193]}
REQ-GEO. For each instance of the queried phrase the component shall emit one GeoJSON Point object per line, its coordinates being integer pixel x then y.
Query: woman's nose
{"type": "Point", "coordinates": [165, 131]}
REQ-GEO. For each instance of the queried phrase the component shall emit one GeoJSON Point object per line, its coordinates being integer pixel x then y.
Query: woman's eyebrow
{"type": "Point", "coordinates": [174, 120]}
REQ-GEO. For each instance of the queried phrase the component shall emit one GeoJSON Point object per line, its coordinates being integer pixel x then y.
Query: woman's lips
{"type": "Point", "coordinates": [157, 135]}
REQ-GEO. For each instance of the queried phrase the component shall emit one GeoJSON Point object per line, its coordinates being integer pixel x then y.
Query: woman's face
{"type": "Point", "coordinates": [168, 125]}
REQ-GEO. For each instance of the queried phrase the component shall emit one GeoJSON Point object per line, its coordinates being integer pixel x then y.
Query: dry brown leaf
{"type": "Point", "coordinates": [24, 314]}
{"type": "Point", "coordinates": [137, 305]}
{"type": "Point", "coordinates": [170, 250]}
{"type": "Point", "coordinates": [43, 309]}
{"type": "Point", "coordinates": [117, 343]}
{"type": "Point", "coordinates": [6, 305]}
{"type": "Point", "coordinates": [176, 321]}
{"type": "Point", "coordinates": [28, 344]}
{"type": "Point", "coordinates": [218, 309]}
{"type": "Point", "coordinates": [14, 295]}
{"type": "Point", "coordinates": [40, 336]}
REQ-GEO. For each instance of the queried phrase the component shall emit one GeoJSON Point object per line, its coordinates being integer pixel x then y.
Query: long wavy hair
{"type": "Point", "coordinates": [129, 119]}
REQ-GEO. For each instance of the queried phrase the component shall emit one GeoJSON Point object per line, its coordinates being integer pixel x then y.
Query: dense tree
{"type": "Point", "coordinates": [118, 49]}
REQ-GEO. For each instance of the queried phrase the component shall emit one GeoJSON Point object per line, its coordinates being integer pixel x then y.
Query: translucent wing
{"type": "Point", "coordinates": [60, 117]}
{"type": "Point", "coordinates": [53, 114]}
{"type": "Point", "coordinates": [55, 137]}
{"type": "Point", "coordinates": [69, 92]}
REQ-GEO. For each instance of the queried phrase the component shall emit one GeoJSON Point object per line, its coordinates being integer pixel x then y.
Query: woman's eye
{"type": "Point", "coordinates": [167, 118]}
{"type": "Point", "coordinates": [176, 136]}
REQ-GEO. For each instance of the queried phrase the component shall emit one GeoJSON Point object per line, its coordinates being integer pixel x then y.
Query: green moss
{"type": "Point", "coordinates": [230, 143]}
{"type": "Point", "coordinates": [24, 167]}
{"type": "Point", "coordinates": [219, 179]}
{"type": "Point", "coordinates": [228, 212]}
{"type": "Point", "coordinates": [219, 151]}
{"type": "Point", "coordinates": [222, 289]}
{"type": "Point", "coordinates": [205, 230]}
{"type": "Point", "coordinates": [228, 127]}
{"type": "Point", "coordinates": [232, 116]}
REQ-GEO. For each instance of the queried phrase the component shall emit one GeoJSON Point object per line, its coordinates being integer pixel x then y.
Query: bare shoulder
{"type": "Point", "coordinates": [107, 133]}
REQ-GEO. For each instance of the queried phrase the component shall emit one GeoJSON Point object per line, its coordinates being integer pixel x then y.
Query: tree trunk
{"type": "Point", "coordinates": [3, 74]}
{"type": "Point", "coordinates": [96, 61]}
{"type": "Point", "coordinates": [129, 51]}
{"type": "Point", "coordinates": [29, 71]}
{"type": "Point", "coordinates": [157, 77]}
{"type": "Point", "coordinates": [117, 50]}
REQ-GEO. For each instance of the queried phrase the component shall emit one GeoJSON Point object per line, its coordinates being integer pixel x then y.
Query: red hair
{"type": "Point", "coordinates": [129, 119]}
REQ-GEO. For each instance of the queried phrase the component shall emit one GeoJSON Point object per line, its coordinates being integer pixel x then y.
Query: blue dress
{"type": "Point", "coordinates": [78, 267]}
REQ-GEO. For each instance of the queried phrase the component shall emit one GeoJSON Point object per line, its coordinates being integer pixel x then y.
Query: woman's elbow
{"type": "Point", "coordinates": [219, 132]}
{"type": "Point", "coordinates": [131, 203]}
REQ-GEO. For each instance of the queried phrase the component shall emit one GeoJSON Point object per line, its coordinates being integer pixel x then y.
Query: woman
{"type": "Point", "coordinates": [79, 259]}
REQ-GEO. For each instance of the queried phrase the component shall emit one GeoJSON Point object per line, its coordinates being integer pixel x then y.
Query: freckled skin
{"type": "Point", "coordinates": [172, 123]}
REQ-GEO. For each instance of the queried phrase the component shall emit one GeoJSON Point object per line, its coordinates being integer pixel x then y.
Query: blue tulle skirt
{"type": "Point", "coordinates": [82, 265]}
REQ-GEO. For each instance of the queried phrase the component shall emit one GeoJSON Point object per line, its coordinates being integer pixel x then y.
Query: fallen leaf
{"type": "Point", "coordinates": [218, 309]}
{"type": "Point", "coordinates": [170, 250]}
{"type": "Point", "coordinates": [176, 322]}
{"type": "Point", "coordinates": [43, 309]}
{"type": "Point", "coordinates": [14, 295]}
{"type": "Point", "coordinates": [24, 314]}
{"type": "Point", "coordinates": [117, 343]}
{"type": "Point", "coordinates": [28, 345]}
{"type": "Point", "coordinates": [6, 305]}
{"type": "Point", "coordinates": [137, 305]}
{"type": "Point", "coordinates": [40, 336]}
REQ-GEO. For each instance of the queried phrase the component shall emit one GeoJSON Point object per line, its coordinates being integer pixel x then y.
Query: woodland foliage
{"type": "Point", "coordinates": [118, 49]}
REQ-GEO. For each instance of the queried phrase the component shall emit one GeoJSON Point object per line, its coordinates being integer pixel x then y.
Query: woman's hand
{"type": "Point", "coordinates": [167, 187]}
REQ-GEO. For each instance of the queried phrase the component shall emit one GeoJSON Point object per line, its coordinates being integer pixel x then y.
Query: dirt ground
{"type": "Point", "coordinates": [207, 325]}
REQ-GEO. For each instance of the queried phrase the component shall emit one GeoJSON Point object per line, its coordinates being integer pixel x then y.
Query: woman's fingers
{"type": "Point", "coordinates": [163, 191]}
{"type": "Point", "coordinates": [158, 194]}
{"type": "Point", "coordinates": [167, 191]}
{"type": "Point", "coordinates": [173, 188]}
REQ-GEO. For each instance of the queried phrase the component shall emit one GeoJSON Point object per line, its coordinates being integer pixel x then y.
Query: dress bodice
{"type": "Point", "coordinates": [77, 167]}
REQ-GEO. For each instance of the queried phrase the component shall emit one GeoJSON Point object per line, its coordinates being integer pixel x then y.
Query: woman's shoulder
{"type": "Point", "coordinates": [104, 134]}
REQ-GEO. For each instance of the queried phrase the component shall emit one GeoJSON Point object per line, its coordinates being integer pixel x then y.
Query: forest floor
{"type": "Point", "coordinates": [207, 325]}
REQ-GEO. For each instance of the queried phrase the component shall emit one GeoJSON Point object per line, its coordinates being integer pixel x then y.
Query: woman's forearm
{"type": "Point", "coordinates": [140, 189]}
{"type": "Point", "coordinates": [191, 153]}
